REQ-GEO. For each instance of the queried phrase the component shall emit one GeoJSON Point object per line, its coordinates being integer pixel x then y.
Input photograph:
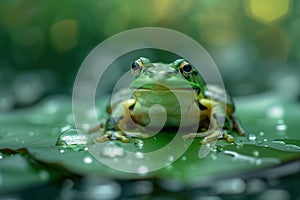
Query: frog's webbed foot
{"type": "Point", "coordinates": [211, 135]}
{"type": "Point", "coordinates": [113, 135]}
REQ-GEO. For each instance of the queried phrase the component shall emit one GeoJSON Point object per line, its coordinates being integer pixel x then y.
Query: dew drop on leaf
{"type": "Point", "coordinates": [252, 137]}
{"type": "Point", "coordinates": [139, 155]}
{"type": "Point", "coordinates": [138, 143]}
{"type": "Point", "coordinates": [171, 158]}
{"type": "Point", "coordinates": [87, 160]}
{"type": "Point", "coordinates": [74, 139]}
{"type": "Point", "coordinates": [143, 170]}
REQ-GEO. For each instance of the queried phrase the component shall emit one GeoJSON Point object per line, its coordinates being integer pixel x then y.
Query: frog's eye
{"type": "Point", "coordinates": [136, 67]}
{"type": "Point", "coordinates": [185, 69]}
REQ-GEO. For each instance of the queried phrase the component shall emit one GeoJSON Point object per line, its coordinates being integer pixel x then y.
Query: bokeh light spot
{"type": "Point", "coordinates": [273, 43]}
{"type": "Point", "coordinates": [64, 35]}
{"type": "Point", "coordinates": [268, 11]}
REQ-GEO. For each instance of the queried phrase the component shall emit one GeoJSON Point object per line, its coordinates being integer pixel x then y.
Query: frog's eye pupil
{"type": "Point", "coordinates": [187, 68]}
{"type": "Point", "coordinates": [135, 66]}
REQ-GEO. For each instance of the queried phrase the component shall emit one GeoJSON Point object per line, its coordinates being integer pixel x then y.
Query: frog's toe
{"type": "Point", "coordinates": [215, 135]}
{"type": "Point", "coordinates": [196, 135]}
{"type": "Point", "coordinates": [113, 135]}
{"type": "Point", "coordinates": [218, 134]}
{"type": "Point", "coordinates": [228, 137]}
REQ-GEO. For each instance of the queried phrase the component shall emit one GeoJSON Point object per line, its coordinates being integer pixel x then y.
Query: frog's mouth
{"type": "Point", "coordinates": [158, 87]}
{"type": "Point", "coordinates": [163, 95]}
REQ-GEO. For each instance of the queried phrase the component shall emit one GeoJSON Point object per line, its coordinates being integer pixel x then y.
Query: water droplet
{"type": "Point", "coordinates": [251, 137]}
{"type": "Point", "coordinates": [278, 142]}
{"type": "Point", "coordinates": [85, 149]}
{"type": "Point", "coordinates": [171, 158]}
{"type": "Point", "coordinates": [154, 138]}
{"type": "Point", "coordinates": [112, 150]}
{"type": "Point", "coordinates": [139, 155]}
{"type": "Point", "coordinates": [87, 160]}
{"type": "Point", "coordinates": [143, 170]}
{"type": "Point", "coordinates": [265, 140]}
{"type": "Point", "coordinates": [239, 144]}
{"type": "Point", "coordinates": [261, 133]}
{"type": "Point", "coordinates": [1, 156]}
{"type": "Point", "coordinates": [183, 158]}
{"type": "Point", "coordinates": [74, 139]}
{"type": "Point", "coordinates": [61, 151]}
{"type": "Point", "coordinates": [138, 143]}
{"type": "Point", "coordinates": [219, 148]}
{"type": "Point", "coordinates": [255, 153]}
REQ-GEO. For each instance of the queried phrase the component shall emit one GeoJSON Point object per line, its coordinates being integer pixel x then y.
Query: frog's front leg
{"type": "Point", "coordinates": [119, 123]}
{"type": "Point", "coordinates": [218, 119]}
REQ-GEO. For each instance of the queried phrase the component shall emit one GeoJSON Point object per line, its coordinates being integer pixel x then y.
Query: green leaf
{"type": "Point", "coordinates": [272, 138]}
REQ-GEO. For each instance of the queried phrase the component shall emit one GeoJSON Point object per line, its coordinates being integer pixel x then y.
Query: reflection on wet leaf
{"type": "Point", "coordinates": [74, 139]}
{"type": "Point", "coordinates": [40, 128]}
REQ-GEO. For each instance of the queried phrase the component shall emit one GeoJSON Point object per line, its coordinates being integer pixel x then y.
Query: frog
{"type": "Point", "coordinates": [131, 111]}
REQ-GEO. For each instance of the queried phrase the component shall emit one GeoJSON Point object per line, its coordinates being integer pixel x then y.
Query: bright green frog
{"type": "Point", "coordinates": [186, 100]}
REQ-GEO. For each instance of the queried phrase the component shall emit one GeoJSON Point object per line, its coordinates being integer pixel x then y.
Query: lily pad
{"type": "Point", "coordinates": [270, 123]}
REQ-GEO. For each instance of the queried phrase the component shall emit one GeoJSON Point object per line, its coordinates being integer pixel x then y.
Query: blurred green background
{"type": "Point", "coordinates": [255, 43]}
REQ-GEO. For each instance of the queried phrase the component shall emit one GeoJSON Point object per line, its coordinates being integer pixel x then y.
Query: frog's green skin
{"type": "Point", "coordinates": [156, 83]}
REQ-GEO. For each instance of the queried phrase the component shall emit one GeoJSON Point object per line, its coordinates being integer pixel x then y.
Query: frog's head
{"type": "Point", "coordinates": [179, 75]}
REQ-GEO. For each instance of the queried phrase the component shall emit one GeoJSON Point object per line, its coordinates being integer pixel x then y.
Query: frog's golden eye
{"type": "Point", "coordinates": [185, 69]}
{"type": "Point", "coordinates": [136, 67]}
